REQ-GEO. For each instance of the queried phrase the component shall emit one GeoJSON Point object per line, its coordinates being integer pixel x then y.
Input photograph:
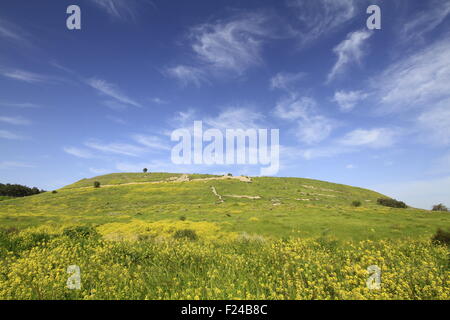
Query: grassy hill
{"type": "Point", "coordinates": [274, 207]}
{"type": "Point", "coordinates": [174, 236]}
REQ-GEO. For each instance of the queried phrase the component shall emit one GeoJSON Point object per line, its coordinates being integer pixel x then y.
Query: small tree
{"type": "Point", "coordinates": [441, 237]}
{"type": "Point", "coordinates": [145, 170]}
{"type": "Point", "coordinates": [440, 207]}
{"type": "Point", "coordinates": [356, 203]}
{"type": "Point", "coordinates": [96, 184]}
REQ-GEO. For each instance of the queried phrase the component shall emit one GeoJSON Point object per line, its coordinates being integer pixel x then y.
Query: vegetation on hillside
{"type": "Point", "coordinates": [35, 265]}
{"type": "Point", "coordinates": [197, 238]}
{"type": "Point", "coordinates": [17, 190]}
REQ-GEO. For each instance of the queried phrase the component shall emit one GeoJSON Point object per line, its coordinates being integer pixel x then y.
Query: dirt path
{"type": "Point", "coordinates": [213, 189]}
{"type": "Point", "coordinates": [243, 197]}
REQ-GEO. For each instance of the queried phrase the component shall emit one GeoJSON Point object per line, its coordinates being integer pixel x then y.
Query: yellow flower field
{"type": "Point", "coordinates": [34, 266]}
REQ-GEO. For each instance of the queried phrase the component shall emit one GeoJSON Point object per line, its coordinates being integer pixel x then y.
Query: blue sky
{"type": "Point", "coordinates": [369, 108]}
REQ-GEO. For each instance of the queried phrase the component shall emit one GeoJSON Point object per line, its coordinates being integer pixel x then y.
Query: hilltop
{"type": "Point", "coordinates": [139, 205]}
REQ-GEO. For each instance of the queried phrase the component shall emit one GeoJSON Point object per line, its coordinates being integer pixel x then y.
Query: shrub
{"type": "Point", "coordinates": [440, 207]}
{"type": "Point", "coordinates": [96, 184]}
{"type": "Point", "coordinates": [80, 232]}
{"type": "Point", "coordinates": [188, 234]}
{"type": "Point", "coordinates": [391, 203]}
{"type": "Point", "coordinates": [183, 218]}
{"type": "Point", "coordinates": [145, 170]}
{"type": "Point", "coordinates": [441, 237]}
{"type": "Point", "coordinates": [229, 174]}
{"type": "Point", "coordinates": [356, 203]}
{"type": "Point", "coordinates": [54, 191]}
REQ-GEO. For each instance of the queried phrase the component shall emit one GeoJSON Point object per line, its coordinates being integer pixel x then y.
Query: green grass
{"type": "Point", "coordinates": [276, 214]}
{"type": "Point", "coordinates": [5, 198]}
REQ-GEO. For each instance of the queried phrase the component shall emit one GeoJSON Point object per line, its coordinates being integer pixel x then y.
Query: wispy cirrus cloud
{"type": "Point", "coordinates": [14, 164]}
{"type": "Point", "coordinates": [317, 18]}
{"type": "Point", "coordinates": [351, 50]}
{"type": "Point", "coordinates": [15, 120]}
{"type": "Point", "coordinates": [19, 105]}
{"type": "Point", "coordinates": [26, 76]}
{"type": "Point", "coordinates": [111, 90]}
{"type": "Point", "coordinates": [78, 152]}
{"type": "Point", "coordinates": [236, 118]}
{"type": "Point", "coordinates": [11, 32]}
{"type": "Point", "coordinates": [152, 142]}
{"type": "Point", "coordinates": [116, 148]}
{"type": "Point", "coordinates": [373, 138]}
{"type": "Point", "coordinates": [312, 127]}
{"type": "Point", "coordinates": [286, 81]}
{"type": "Point", "coordinates": [121, 9]}
{"type": "Point", "coordinates": [229, 46]}
{"type": "Point", "coordinates": [5, 134]}
{"type": "Point", "coordinates": [427, 72]}
{"type": "Point", "coordinates": [347, 100]}
{"type": "Point", "coordinates": [425, 21]}
{"type": "Point", "coordinates": [187, 75]}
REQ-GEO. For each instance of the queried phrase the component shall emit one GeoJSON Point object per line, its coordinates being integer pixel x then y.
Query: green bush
{"type": "Point", "coordinates": [391, 203]}
{"type": "Point", "coordinates": [54, 191]}
{"type": "Point", "coordinates": [145, 170]}
{"type": "Point", "coordinates": [441, 237]}
{"type": "Point", "coordinates": [183, 218]}
{"type": "Point", "coordinates": [96, 184]}
{"type": "Point", "coordinates": [440, 207]}
{"type": "Point", "coordinates": [17, 190]}
{"type": "Point", "coordinates": [80, 232]}
{"type": "Point", "coordinates": [188, 234]}
{"type": "Point", "coordinates": [356, 203]}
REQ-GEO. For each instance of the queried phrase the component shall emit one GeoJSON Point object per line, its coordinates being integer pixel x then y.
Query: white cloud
{"type": "Point", "coordinates": [19, 105]}
{"type": "Point", "coordinates": [15, 120]}
{"type": "Point", "coordinates": [9, 31]}
{"type": "Point", "coordinates": [111, 90]}
{"type": "Point", "coordinates": [293, 107]}
{"type": "Point", "coordinates": [349, 51]}
{"type": "Point", "coordinates": [152, 142]}
{"type": "Point", "coordinates": [25, 76]}
{"type": "Point", "coordinates": [286, 81]}
{"type": "Point", "coordinates": [322, 17]}
{"type": "Point", "coordinates": [236, 118]}
{"type": "Point", "coordinates": [187, 75]}
{"type": "Point", "coordinates": [120, 9]}
{"type": "Point", "coordinates": [116, 148]}
{"type": "Point", "coordinates": [425, 21]}
{"type": "Point", "coordinates": [5, 134]}
{"type": "Point", "coordinates": [158, 101]}
{"type": "Point", "coordinates": [231, 45]}
{"type": "Point", "coordinates": [14, 164]}
{"type": "Point", "coordinates": [311, 126]}
{"type": "Point", "coordinates": [79, 153]}
{"type": "Point", "coordinates": [417, 81]}
{"type": "Point", "coordinates": [347, 100]}
{"type": "Point", "coordinates": [374, 138]}
{"type": "Point", "coordinates": [350, 166]}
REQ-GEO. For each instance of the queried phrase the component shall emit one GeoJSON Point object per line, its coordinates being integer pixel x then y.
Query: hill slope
{"type": "Point", "coordinates": [136, 205]}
